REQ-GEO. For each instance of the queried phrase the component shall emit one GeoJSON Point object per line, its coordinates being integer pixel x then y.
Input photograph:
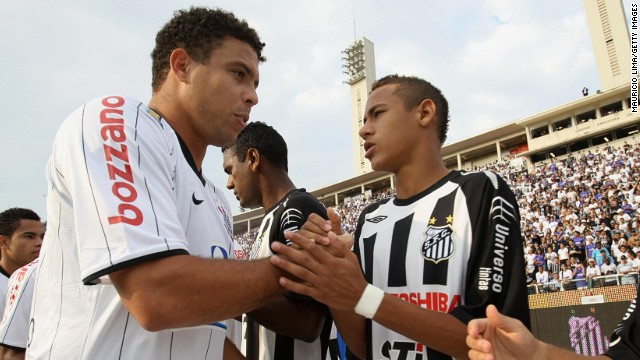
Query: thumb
{"type": "Point", "coordinates": [336, 223]}
{"type": "Point", "coordinates": [502, 322]}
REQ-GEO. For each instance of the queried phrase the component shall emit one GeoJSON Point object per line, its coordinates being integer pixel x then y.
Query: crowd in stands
{"type": "Point", "coordinates": [351, 208]}
{"type": "Point", "coordinates": [580, 216]}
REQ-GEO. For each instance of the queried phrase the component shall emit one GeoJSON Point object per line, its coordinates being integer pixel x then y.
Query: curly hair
{"type": "Point", "coordinates": [10, 219]}
{"type": "Point", "coordinates": [413, 90]}
{"type": "Point", "coordinates": [198, 31]}
{"type": "Point", "coordinates": [265, 139]}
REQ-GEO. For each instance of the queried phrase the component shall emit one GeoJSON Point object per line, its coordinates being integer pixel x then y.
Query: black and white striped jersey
{"type": "Point", "coordinates": [455, 247]}
{"type": "Point", "coordinates": [290, 213]}
{"type": "Point", "coordinates": [625, 342]}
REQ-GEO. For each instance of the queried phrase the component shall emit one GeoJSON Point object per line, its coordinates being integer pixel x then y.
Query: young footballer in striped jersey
{"type": "Point", "coordinates": [426, 261]}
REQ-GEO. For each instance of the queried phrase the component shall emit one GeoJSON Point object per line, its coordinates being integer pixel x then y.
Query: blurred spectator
{"type": "Point", "coordinates": [625, 266]}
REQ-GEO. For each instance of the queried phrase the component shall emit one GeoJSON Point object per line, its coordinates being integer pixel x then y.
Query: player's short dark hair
{"type": "Point", "coordinates": [10, 219]}
{"type": "Point", "coordinates": [413, 91]}
{"type": "Point", "coordinates": [265, 139]}
{"type": "Point", "coordinates": [198, 31]}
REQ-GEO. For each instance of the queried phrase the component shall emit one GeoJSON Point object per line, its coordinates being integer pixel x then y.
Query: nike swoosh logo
{"type": "Point", "coordinates": [196, 201]}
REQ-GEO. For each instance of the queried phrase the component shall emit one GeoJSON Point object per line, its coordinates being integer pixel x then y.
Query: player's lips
{"type": "Point", "coordinates": [243, 117]}
{"type": "Point", "coordinates": [368, 149]}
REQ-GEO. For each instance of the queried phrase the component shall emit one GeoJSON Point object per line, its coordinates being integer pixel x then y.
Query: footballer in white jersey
{"type": "Point", "coordinates": [4, 284]}
{"type": "Point", "coordinates": [14, 327]}
{"type": "Point", "coordinates": [123, 189]}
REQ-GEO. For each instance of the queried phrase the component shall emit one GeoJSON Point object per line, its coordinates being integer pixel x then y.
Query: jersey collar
{"type": "Point", "coordinates": [185, 150]}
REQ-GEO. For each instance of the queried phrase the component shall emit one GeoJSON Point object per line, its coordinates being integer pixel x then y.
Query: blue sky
{"type": "Point", "coordinates": [496, 62]}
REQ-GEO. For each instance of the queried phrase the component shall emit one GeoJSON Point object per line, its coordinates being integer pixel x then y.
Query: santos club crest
{"type": "Point", "coordinates": [438, 244]}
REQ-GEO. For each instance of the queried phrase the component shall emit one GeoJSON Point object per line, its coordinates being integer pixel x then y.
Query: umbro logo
{"type": "Point", "coordinates": [196, 201]}
{"type": "Point", "coordinates": [377, 219]}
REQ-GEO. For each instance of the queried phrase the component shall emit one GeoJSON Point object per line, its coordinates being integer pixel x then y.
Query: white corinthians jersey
{"type": "Point", "coordinates": [14, 327]}
{"type": "Point", "coordinates": [4, 283]}
{"type": "Point", "coordinates": [456, 247]}
{"type": "Point", "coordinates": [123, 189]}
{"type": "Point", "coordinates": [290, 213]}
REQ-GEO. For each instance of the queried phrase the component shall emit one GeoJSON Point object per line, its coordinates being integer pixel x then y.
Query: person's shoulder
{"type": "Point", "coordinates": [377, 204]}
{"type": "Point", "coordinates": [108, 110]}
{"type": "Point", "coordinates": [476, 178]}
{"type": "Point", "coordinates": [110, 106]}
{"type": "Point", "coordinates": [301, 196]}
{"type": "Point", "coordinates": [301, 199]}
{"type": "Point", "coordinates": [25, 271]}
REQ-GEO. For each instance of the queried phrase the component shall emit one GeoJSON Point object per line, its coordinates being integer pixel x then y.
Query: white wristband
{"type": "Point", "coordinates": [369, 301]}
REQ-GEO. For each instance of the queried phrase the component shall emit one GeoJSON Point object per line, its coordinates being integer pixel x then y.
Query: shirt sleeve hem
{"type": "Point", "coordinates": [93, 278]}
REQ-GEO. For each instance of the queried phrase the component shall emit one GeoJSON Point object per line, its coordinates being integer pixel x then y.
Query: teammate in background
{"type": "Point", "coordinates": [21, 234]}
{"type": "Point", "coordinates": [135, 265]}
{"type": "Point", "coordinates": [502, 337]}
{"type": "Point", "coordinates": [258, 175]}
{"type": "Point", "coordinates": [433, 257]}
{"type": "Point", "coordinates": [14, 327]}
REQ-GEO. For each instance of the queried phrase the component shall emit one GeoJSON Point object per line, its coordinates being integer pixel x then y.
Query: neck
{"type": "Point", "coordinates": [413, 180]}
{"type": "Point", "coordinates": [8, 265]}
{"type": "Point", "coordinates": [175, 116]}
{"type": "Point", "coordinates": [275, 189]}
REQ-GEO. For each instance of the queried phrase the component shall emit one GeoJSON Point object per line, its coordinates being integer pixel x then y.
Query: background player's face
{"type": "Point", "coordinates": [24, 244]}
{"type": "Point", "coordinates": [241, 180]}
{"type": "Point", "coordinates": [389, 131]}
{"type": "Point", "coordinates": [219, 95]}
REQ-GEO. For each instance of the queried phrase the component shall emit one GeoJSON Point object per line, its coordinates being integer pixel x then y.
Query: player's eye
{"type": "Point", "coordinates": [239, 73]}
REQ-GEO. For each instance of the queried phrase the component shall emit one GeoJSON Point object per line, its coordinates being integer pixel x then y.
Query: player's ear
{"type": "Point", "coordinates": [4, 241]}
{"type": "Point", "coordinates": [179, 61]}
{"type": "Point", "coordinates": [426, 112]}
{"type": "Point", "coordinates": [253, 158]}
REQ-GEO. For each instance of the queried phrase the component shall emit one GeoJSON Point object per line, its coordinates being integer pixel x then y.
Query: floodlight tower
{"type": "Point", "coordinates": [360, 68]}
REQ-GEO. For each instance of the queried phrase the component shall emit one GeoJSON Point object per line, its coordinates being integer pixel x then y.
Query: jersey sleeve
{"type": "Point", "coordinates": [295, 213]}
{"type": "Point", "coordinates": [625, 341]}
{"type": "Point", "coordinates": [495, 273]}
{"type": "Point", "coordinates": [14, 328]}
{"type": "Point", "coordinates": [115, 167]}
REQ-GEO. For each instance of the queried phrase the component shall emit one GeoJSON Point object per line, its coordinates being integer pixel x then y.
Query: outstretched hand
{"type": "Point", "coordinates": [500, 337]}
{"type": "Point", "coordinates": [318, 228]}
{"type": "Point", "coordinates": [329, 273]}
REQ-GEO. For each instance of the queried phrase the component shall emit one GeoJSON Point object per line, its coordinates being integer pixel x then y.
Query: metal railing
{"type": "Point", "coordinates": [595, 282]}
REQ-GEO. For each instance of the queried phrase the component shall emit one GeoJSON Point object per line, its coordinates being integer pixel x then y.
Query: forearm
{"type": "Point", "coordinates": [297, 318]}
{"type": "Point", "coordinates": [351, 327]}
{"type": "Point", "coordinates": [11, 353]}
{"type": "Point", "coordinates": [183, 291]}
{"type": "Point", "coordinates": [436, 330]}
{"type": "Point", "coordinates": [231, 352]}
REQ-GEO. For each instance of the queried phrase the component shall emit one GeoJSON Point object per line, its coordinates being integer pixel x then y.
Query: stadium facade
{"type": "Point", "coordinates": [603, 118]}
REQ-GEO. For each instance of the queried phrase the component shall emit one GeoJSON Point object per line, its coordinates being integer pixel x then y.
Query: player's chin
{"type": "Point", "coordinates": [378, 164]}
{"type": "Point", "coordinates": [225, 140]}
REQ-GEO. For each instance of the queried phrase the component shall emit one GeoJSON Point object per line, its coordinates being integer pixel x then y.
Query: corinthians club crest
{"type": "Point", "coordinates": [438, 244]}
